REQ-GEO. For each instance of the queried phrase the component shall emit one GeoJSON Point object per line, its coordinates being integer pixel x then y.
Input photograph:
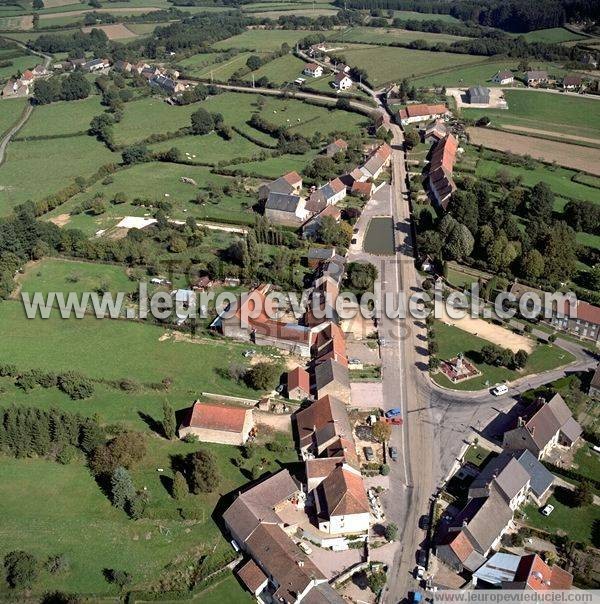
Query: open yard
{"type": "Point", "coordinates": [452, 340]}
{"type": "Point", "coordinates": [387, 63]}
{"type": "Point", "coordinates": [263, 40]}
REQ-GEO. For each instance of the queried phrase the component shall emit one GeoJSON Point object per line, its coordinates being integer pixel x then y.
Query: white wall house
{"type": "Point", "coordinates": [313, 70]}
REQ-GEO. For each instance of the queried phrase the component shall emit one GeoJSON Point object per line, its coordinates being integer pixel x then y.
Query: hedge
{"type": "Point", "coordinates": [573, 474]}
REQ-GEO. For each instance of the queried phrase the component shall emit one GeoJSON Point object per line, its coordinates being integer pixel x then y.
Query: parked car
{"type": "Point", "coordinates": [424, 522]}
{"type": "Point", "coordinates": [419, 572]}
{"type": "Point", "coordinates": [307, 549]}
{"type": "Point", "coordinates": [422, 558]}
{"type": "Point", "coordinates": [393, 412]}
{"type": "Point", "coordinates": [500, 390]}
{"type": "Point", "coordinates": [353, 240]}
{"type": "Point", "coordinates": [548, 510]}
{"type": "Point", "coordinates": [394, 453]}
{"type": "Point", "coordinates": [369, 455]}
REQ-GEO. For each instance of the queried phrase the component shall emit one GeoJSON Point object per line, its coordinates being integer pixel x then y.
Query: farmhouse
{"type": "Point", "coordinates": [169, 85]}
{"type": "Point", "coordinates": [342, 81]}
{"type": "Point", "coordinates": [27, 77]}
{"type": "Point", "coordinates": [331, 378]}
{"type": "Point", "coordinates": [572, 82]}
{"type": "Point", "coordinates": [313, 70]}
{"type": "Point", "coordinates": [286, 209]}
{"type": "Point", "coordinates": [478, 95]}
{"type": "Point", "coordinates": [434, 132]}
{"type": "Point", "coordinates": [298, 384]}
{"type": "Point", "coordinates": [536, 77]}
{"type": "Point", "coordinates": [441, 166]}
{"type": "Point", "coordinates": [545, 426]}
{"type": "Point", "coordinates": [420, 112]}
{"type": "Point", "coordinates": [503, 78]}
{"type": "Point", "coordinates": [337, 146]}
{"type": "Point", "coordinates": [289, 184]}
{"type": "Point", "coordinates": [217, 423]}
{"type": "Point", "coordinates": [96, 65]}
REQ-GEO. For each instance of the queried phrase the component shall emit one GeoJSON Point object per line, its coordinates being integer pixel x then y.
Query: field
{"type": "Point", "coordinates": [142, 29]}
{"type": "Point", "coordinates": [221, 71]}
{"type": "Point", "coordinates": [414, 16]}
{"type": "Point", "coordinates": [116, 31]}
{"type": "Point", "coordinates": [10, 110]}
{"type": "Point", "coordinates": [373, 35]}
{"type": "Point", "coordinates": [561, 114]}
{"type": "Point", "coordinates": [564, 154]}
{"type": "Point", "coordinates": [554, 35]}
{"type": "Point", "coordinates": [280, 71]}
{"type": "Point", "coordinates": [301, 12]}
{"type": "Point", "coordinates": [276, 166]}
{"type": "Point", "coordinates": [453, 340]}
{"type": "Point", "coordinates": [17, 66]}
{"type": "Point", "coordinates": [32, 169]}
{"type": "Point", "coordinates": [385, 64]}
{"type": "Point", "coordinates": [62, 118]}
{"type": "Point", "coordinates": [262, 40]}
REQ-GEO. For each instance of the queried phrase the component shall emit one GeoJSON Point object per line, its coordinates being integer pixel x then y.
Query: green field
{"type": "Point", "coordinates": [388, 35]}
{"type": "Point", "coordinates": [554, 35]}
{"type": "Point", "coordinates": [223, 70]}
{"type": "Point", "coordinates": [33, 170]}
{"type": "Point", "coordinates": [64, 117]}
{"type": "Point", "coordinates": [276, 166]}
{"type": "Point", "coordinates": [10, 22]}
{"type": "Point", "coordinates": [297, 12]}
{"type": "Point", "coordinates": [263, 40]}
{"type": "Point", "coordinates": [547, 111]}
{"type": "Point", "coordinates": [143, 29]}
{"type": "Point", "coordinates": [414, 16]}
{"type": "Point", "coordinates": [10, 111]}
{"type": "Point", "coordinates": [385, 64]}
{"type": "Point", "coordinates": [453, 340]}
{"type": "Point", "coordinates": [282, 70]}
{"type": "Point", "coordinates": [18, 66]}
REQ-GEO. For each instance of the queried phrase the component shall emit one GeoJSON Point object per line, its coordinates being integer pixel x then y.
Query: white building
{"type": "Point", "coordinates": [313, 70]}
{"type": "Point", "coordinates": [342, 81]}
{"type": "Point", "coordinates": [503, 78]}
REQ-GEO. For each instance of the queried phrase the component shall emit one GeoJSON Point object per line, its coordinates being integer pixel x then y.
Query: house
{"type": "Point", "coordinates": [510, 478]}
{"type": "Point", "coordinates": [298, 384]}
{"type": "Point", "coordinates": [331, 378]}
{"type": "Point", "coordinates": [96, 65]}
{"type": "Point", "coordinates": [286, 209]}
{"type": "Point", "coordinates": [434, 132]}
{"type": "Point", "coordinates": [313, 70]}
{"type": "Point", "coordinates": [342, 81]}
{"type": "Point", "coordinates": [341, 502]}
{"type": "Point", "coordinates": [27, 77]}
{"type": "Point", "coordinates": [540, 478]}
{"type": "Point", "coordinates": [476, 530]}
{"type": "Point", "coordinates": [441, 166]}
{"type": "Point", "coordinates": [478, 95]}
{"type": "Point", "coordinates": [330, 343]}
{"type": "Point", "coordinates": [185, 304]}
{"type": "Point", "coordinates": [594, 390]}
{"type": "Point", "coordinates": [503, 78]}
{"type": "Point", "coordinates": [536, 77]}
{"type": "Point", "coordinates": [333, 269]}
{"type": "Point", "coordinates": [342, 68]}
{"type": "Point", "coordinates": [310, 229]}
{"type": "Point", "coordinates": [334, 191]}
{"type": "Point", "coordinates": [289, 184]}
{"type": "Point", "coordinates": [364, 190]}
{"type": "Point", "coordinates": [572, 82]}
{"type": "Point", "coordinates": [217, 423]}
{"type": "Point", "coordinates": [317, 255]}
{"type": "Point", "coordinates": [421, 112]}
{"type": "Point", "coordinates": [40, 71]}
{"type": "Point", "coordinates": [123, 66]}
{"type": "Point", "coordinates": [337, 146]}
{"type": "Point", "coordinates": [533, 574]}
{"type": "Point", "coordinates": [203, 283]}
{"type": "Point", "coordinates": [545, 426]}
{"type": "Point", "coordinates": [320, 425]}
{"type": "Point", "coordinates": [15, 89]}
{"type": "Point", "coordinates": [167, 84]}
{"type": "Point", "coordinates": [379, 159]}
{"type": "Point", "coordinates": [252, 576]}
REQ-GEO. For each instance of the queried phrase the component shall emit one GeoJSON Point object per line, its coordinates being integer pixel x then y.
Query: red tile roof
{"type": "Point", "coordinates": [252, 576]}
{"type": "Point", "coordinates": [27, 75]}
{"type": "Point", "coordinates": [216, 417]}
{"type": "Point", "coordinates": [362, 188]}
{"type": "Point", "coordinates": [337, 185]}
{"type": "Point", "coordinates": [292, 178]}
{"type": "Point", "coordinates": [422, 110]}
{"type": "Point", "coordinates": [537, 575]}
{"type": "Point", "coordinates": [461, 546]}
{"type": "Point", "coordinates": [298, 378]}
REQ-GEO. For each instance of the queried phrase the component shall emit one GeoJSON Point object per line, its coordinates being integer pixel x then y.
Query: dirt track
{"type": "Point", "coordinates": [564, 154]}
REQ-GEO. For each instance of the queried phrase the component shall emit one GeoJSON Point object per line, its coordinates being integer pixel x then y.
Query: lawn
{"type": "Point", "coordinates": [389, 35]}
{"type": "Point", "coordinates": [282, 70]}
{"type": "Point", "coordinates": [452, 340]}
{"type": "Point", "coordinates": [62, 118]}
{"type": "Point", "coordinates": [263, 40]}
{"type": "Point", "coordinates": [143, 29]}
{"type": "Point", "coordinates": [223, 70]}
{"type": "Point", "coordinates": [587, 462]}
{"type": "Point", "coordinates": [10, 111]}
{"type": "Point", "coordinates": [547, 111]}
{"type": "Point", "coordinates": [578, 523]}
{"type": "Point", "coordinates": [200, 59]}
{"type": "Point", "coordinates": [554, 35]}
{"type": "Point", "coordinates": [459, 279]}
{"type": "Point", "coordinates": [34, 169]}
{"type": "Point", "coordinates": [385, 64]}
{"type": "Point", "coordinates": [228, 591]}
{"type": "Point", "coordinates": [479, 456]}
{"type": "Point", "coordinates": [379, 238]}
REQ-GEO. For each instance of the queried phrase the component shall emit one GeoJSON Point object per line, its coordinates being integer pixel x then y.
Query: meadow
{"type": "Point", "coordinates": [221, 70]}
{"type": "Point", "coordinates": [17, 66]}
{"type": "Point", "coordinates": [276, 166]}
{"type": "Point", "coordinates": [385, 64]}
{"type": "Point", "coordinates": [414, 16]}
{"type": "Point", "coordinates": [263, 40]}
{"type": "Point", "coordinates": [385, 35]}
{"type": "Point", "coordinates": [280, 71]}
{"type": "Point", "coordinates": [554, 35]}
{"type": "Point", "coordinates": [10, 111]}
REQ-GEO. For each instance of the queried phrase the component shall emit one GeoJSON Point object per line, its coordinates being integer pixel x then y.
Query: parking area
{"type": "Point", "coordinates": [366, 395]}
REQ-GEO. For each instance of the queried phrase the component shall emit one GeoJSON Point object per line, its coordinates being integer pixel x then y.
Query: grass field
{"type": "Point", "coordinates": [297, 12]}
{"type": "Point", "coordinates": [453, 340]}
{"type": "Point", "coordinates": [386, 63]}
{"type": "Point", "coordinates": [263, 40]}
{"type": "Point", "coordinates": [280, 71]}
{"type": "Point", "coordinates": [64, 117]}
{"type": "Point", "coordinates": [372, 35]}
{"type": "Point", "coordinates": [223, 70]}
{"type": "Point", "coordinates": [143, 29]}
{"type": "Point", "coordinates": [276, 166]}
{"type": "Point", "coordinates": [32, 169]}
{"type": "Point", "coordinates": [18, 66]}
{"type": "Point", "coordinates": [548, 111]}
{"type": "Point", "coordinates": [414, 16]}
{"type": "Point", "coordinates": [228, 591]}
{"type": "Point", "coordinates": [10, 111]}
{"type": "Point", "coordinates": [555, 35]}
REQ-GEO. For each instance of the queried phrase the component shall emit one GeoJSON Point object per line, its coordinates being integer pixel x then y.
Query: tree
{"type": "Point", "coordinates": [411, 138]}
{"type": "Point", "coordinates": [75, 86]}
{"type": "Point", "coordinates": [362, 275]}
{"type": "Point", "coordinates": [180, 487]}
{"type": "Point", "coordinates": [135, 154]}
{"type": "Point", "coordinates": [465, 209]}
{"type": "Point", "coordinates": [521, 357]}
{"type": "Point", "coordinates": [118, 577]}
{"type": "Point", "coordinates": [560, 253]}
{"type": "Point", "coordinates": [381, 431]}
{"type": "Point", "coordinates": [391, 531]}
{"type": "Point", "coordinates": [501, 253]}
{"type": "Point", "coordinates": [532, 265]}
{"type": "Point", "coordinates": [540, 202]}
{"type": "Point", "coordinates": [203, 473]}
{"type": "Point", "coordinates": [21, 569]}
{"type": "Point", "coordinates": [37, 4]}
{"type": "Point", "coordinates": [377, 581]}
{"type": "Point", "coordinates": [253, 62]}
{"type": "Point", "coordinates": [122, 488]}
{"type": "Point", "coordinates": [202, 122]}
{"type": "Point", "coordinates": [169, 423]}
{"type": "Point", "coordinates": [460, 243]}
{"type": "Point", "coordinates": [46, 91]}
{"type": "Point", "coordinates": [584, 494]}
{"type": "Point", "coordinates": [262, 376]}
{"type": "Point", "coordinates": [430, 243]}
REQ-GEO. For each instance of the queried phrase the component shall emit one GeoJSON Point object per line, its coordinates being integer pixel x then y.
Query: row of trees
{"type": "Point", "coordinates": [75, 385]}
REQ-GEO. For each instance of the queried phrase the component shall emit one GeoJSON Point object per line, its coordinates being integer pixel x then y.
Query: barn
{"type": "Point", "coordinates": [478, 95]}
{"type": "Point", "coordinates": [213, 423]}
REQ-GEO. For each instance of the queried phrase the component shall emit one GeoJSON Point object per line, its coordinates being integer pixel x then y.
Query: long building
{"type": "Point", "coordinates": [441, 166]}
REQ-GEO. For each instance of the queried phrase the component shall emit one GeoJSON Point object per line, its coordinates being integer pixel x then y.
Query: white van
{"type": "Point", "coordinates": [500, 390]}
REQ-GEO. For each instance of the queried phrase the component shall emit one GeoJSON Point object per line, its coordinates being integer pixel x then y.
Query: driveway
{"type": "Point", "coordinates": [366, 395]}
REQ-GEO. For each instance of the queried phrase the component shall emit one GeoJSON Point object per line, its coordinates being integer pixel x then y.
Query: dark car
{"type": "Point", "coordinates": [369, 455]}
{"type": "Point", "coordinates": [422, 558]}
{"type": "Point", "coordinates": [394, 453]}
{"type": "Point", "coordinates": [353, 240]}
{"type": "Point", "coordinates": [424, 522]}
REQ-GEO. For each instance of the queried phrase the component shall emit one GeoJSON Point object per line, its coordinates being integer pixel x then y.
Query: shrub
{"type": "Point", "coordinates": [75, 385]}
{"type": "Point", "coordinates": [384, 469]}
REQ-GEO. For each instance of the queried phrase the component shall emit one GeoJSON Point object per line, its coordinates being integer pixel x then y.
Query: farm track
{"type": "Point", "coordinates": [534, 131]}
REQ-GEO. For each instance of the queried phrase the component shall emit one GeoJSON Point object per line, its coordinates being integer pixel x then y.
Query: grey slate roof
{"type": "Point", "coordinates": [331, 371]}
{"type": "Point", "coordinates": [540, 477]}
{"type": "Point", "coordinates": [509, 476]}
{"type": "Point", "coordinates": [282, 202]}
{"type": "Point", "coordinates": [571, 429]}
{"type": "Point", "coordinates": [281, 185]}
{"type": "Point", "coordinates": [479, 91]}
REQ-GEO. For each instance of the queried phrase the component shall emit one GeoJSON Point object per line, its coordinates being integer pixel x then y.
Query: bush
{"type": "Point", "coordinates": [263, 376]}
{"type": "Point", "coordinates": [391, 531]}
{"type": "Point", "coordinates": [21, 569]}
{"type": "Point", "coordinates": [384, 469]}
{"type": "Point", "coordinates": [76, 385]}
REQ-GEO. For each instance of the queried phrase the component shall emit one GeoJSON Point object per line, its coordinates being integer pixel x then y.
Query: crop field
{"type": "Point", "coordinates": [200, 60]}
{"type": "Point", "coordinates": [386, 63]}
{"type": "Point", "coordinates": [10, 111]}
{"type": "Point", "coordinates": [18, 65]}
{"type": "Point", "coordinates": [62, 118]}
{"type": "Point", "coordinates": [570, 115]}
{"type": "Point", "coordinates": [564, 154]}
{"type": "Point", "coordinates": [280, 71]}
{"type": "Point", "coordinates": [262, 40]}
{"type": "Point", "coordinates": [33, 170]}
{"type": "Point", "coordinates": [388, 35]}
{"type": "Point", "coordinates": [10, 22]}
{"type": "Point", "coordinates": [116, 31]}
{"type": "Point", "coordinates": [555, 35]}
